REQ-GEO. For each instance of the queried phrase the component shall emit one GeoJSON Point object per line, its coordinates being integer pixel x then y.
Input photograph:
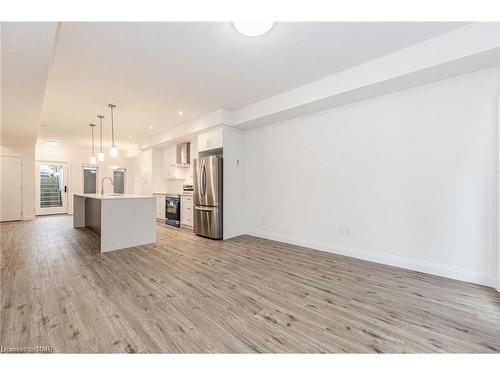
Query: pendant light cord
{"type": "Point", "coordinates": [92, 132]}
{"type": "Point", "coordinates": [112, 128]}
{"type": "Point", "coordinates": [100, 131]}
{"type": "Point", "coordinates": [112, 124]}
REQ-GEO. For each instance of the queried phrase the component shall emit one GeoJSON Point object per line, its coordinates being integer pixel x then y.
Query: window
{"type": "Point", "coordinates": [119, 181]}
{"type": "Point", "coordinates": [89, 180]}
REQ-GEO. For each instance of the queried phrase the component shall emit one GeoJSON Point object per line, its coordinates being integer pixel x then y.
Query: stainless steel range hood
{"type": "Point", "coordinates": [183, 154]}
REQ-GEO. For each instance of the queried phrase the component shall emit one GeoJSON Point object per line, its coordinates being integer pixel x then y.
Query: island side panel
{"type": "Point", "coordinates": [78, 211]}
{"type": "Point", "coordinates": [127, 223]}
{"type": "Point", "coordinates": [93, 215]}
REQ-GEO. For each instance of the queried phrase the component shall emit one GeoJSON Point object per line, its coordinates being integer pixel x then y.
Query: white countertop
{"type": "Point", "coordinates": [111, 196]}
{"type": "Point", "coordinates": [189, 193]}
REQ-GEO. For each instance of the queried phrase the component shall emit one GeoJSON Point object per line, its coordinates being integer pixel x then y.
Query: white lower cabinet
{"type": "Point", "coordinates": [187, 211]}
{"type": "Point", "coordinates": [160, 206]}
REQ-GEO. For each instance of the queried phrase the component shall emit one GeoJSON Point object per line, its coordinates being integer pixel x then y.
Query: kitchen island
{"type": "Point", "coordinates": [120, 220]}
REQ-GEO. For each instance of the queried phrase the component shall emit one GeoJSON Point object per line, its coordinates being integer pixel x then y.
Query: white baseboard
{"type": "Point", "coordinates": [432, 268]}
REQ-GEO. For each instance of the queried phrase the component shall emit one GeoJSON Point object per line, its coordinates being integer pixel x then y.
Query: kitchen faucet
{"type": "Point", "coordinates": [102, 184]}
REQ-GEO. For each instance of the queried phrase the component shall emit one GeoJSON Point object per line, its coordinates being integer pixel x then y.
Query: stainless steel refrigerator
{"type": "Point", "coordinates": [207, 181]}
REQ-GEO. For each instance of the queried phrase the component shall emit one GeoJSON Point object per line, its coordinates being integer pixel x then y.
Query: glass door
{"type": "Point", "coordinates": [119, 181]}
{"type": "Point", "coordinates": [51, 188]}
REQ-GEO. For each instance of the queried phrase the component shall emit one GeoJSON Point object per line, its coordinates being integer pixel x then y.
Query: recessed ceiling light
{"type": "Point", "coordinates": [180, 113]}
{"type": "Point", "coordinates": [129, 137]}
{"type": "Point", "coordinates": [150, 128]}
{"type": "Point", "coordinates": [253, 29]}
{"type": "Point", "coordinates": [53, 143]}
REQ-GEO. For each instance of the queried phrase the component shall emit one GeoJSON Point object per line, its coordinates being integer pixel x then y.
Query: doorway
{"type": "Point", "coordinates": [51, 188]}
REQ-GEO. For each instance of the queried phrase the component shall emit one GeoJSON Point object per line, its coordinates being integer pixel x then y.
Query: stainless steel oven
{"type": "Point", "coordinates": [173, 210]}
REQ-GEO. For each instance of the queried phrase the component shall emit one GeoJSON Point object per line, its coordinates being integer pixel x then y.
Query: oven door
{"type": "Point", "coordinates": [173, 212]}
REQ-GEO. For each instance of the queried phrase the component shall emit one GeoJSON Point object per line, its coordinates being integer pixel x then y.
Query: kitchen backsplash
{"type": "Point", "coordinates": [174, 186]}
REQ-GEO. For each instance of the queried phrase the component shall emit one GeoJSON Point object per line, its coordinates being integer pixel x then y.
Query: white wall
{"type": "Point", "coordinates": [233, 186]}
{"type": "Point", "coordinates": [27, 153]}
{"type": "Point", "coordinates": [145, 172]}
{"type": "Point", "coordinates": [498, 180]}
{"type": "Point", "coordinates": [407, 179]}
{"type": "Point", "coordinates": [76, 157]}
{"type": "Point", "coordinates": [159, 182]}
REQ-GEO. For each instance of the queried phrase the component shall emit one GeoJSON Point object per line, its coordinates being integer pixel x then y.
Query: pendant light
{"type": "Point", "coordinates": [93, 159]}
{"type": "Point", "coordinates": [100, 154]}
{"type": "Point", "coordinates": [113, 151]}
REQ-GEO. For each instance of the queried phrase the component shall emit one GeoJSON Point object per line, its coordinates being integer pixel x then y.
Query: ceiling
{"type": "Point", "coordinates": [151, 71]}
{"type": "Point", "coordinates": [25, 59]}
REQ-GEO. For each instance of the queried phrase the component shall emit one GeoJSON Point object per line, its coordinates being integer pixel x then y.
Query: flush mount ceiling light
{"type": "Point", "coordinates": [253, 29]}
{"type": "Point", "coordinates": [52, 143]}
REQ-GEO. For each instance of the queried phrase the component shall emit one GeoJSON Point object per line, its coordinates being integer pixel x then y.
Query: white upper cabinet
{"type": "Point", "coordinates": [210, 140]}
{"type": "Point", "coordinates": [169, 162]}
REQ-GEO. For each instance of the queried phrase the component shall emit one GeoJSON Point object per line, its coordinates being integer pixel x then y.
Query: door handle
{"type": "Point", "coordinates": [203, 180]}
{"type": "Point", "coordinates": [65, 189]}
{"type": "Point", "coordinates": [203, 209]}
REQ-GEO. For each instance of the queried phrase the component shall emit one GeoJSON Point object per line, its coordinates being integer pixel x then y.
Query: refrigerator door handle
{"type": "Point", "coordinates": [203, 209]}
{"type": "Point", "coordinates": [199, 172]}
{"type": "Point", "coordinates": [203, 180]}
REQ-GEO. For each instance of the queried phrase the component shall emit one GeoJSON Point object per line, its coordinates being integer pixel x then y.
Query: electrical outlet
{"type": "Point", "coordinates": [341, 230]}
{"type": "Point", "coordinates": [348, 231]}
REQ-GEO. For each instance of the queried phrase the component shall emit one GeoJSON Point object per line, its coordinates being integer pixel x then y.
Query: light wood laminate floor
{"type": "Point", "coordinates": [190, 294]}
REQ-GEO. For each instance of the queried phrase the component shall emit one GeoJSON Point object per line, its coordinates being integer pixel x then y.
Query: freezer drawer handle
{"type": "Point", "coordinates": [202, 209]}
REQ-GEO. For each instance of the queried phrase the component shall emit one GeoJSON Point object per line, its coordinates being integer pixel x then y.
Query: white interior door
{"type": "Point", "coordinates": [51, 188]}
{"type": "Point", "coordinates": [11, 200]}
